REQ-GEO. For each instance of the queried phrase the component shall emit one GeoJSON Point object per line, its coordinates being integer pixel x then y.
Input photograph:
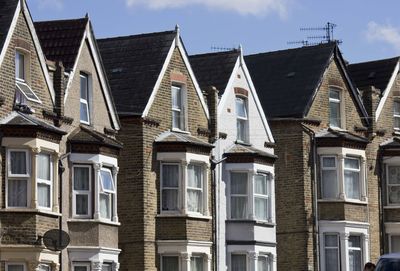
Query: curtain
{"type": "Point", "coordinates": [170, 179]}
{"type": "Point", "coordinates": [82, 204]}
{"type": "Point", "coordinates": [105, 211]}
{"type": "Point", "coordinates": [194, 201]}
{"type": "Point", "coordinates": [260, 184]}
{"type": "Point", "coordinates": [196, 264]}
{"type": "Point", "coordinates": [43, 195]}
{"type": "Point", "coordinates": [355, 253]}
{"type": "Point", "coordinates": [329, 184]}
{"type": "Point", "coordinates": [170, 263]}
{"type": "Point", "coordinates": [170, 175]}
{"type": "Point", "coordinates": [43, 166]}
{"type": "Point", "coordinates": [170, 199]}
{"type": "Point", "coordinates": [81, 178]}
{"type": "Point", "coordinates": [238, 263]}
{"type": "Point", "coordinates": [195, 175]}
{"type": "Point", "coordinates": [17, 193]}
{"type": "Point", "coordinates": [18, 162]}
{"type": "Point", "coordinates": [395, 243]}
{"type": "Point", "coordinates": [394, 184]}
{"type": "Point", "coordinates": [238, 207]}
{"type": "Point", "coordinates": [352, 184]}
{"type": "Point", "coordinates": [238, 195]}
{"type": "Point", "coordinates": [261, 208]}
{"type": "Point", "coordinates": [262, 264]}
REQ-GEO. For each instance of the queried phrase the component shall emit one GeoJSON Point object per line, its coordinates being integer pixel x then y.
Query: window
{"type": "Point", "coordinates": [396, 115]}
{"type": "Point", "coordinates": [261, 197]}
{"type": "Point", "coordinates": [44, 267]}
{"type": "Point", "coordinates": [393, 185]}
{"type": "Point", "coordinates": [20, 66]}
{"type": "Point", "coordinates": [334, 108]}
{"type": "Point", "coordinates": [15, 267]}
{"type": "Point", "coordinates": [169, 263]}
{"type": "Point", "coordinates": [355, 255]}
{"type": "Point", "coordinates": [178, 114]}
{"type": "Point", "coordinates": [84, 100]}
{"type": "Point", "coordinates": [18, 178]}
{"type": "Point", "coordinates": [81, 267]}
{"type": "Point", "coordinates": [352, 178]}
{"type": "Point", "coordinates": [238, 189]}
{"type": "Point", "coordinates": [331, 242]}
{"type": "Point", "coordinates": [394, 243]}
{"type": "Point", "coordinates": [82, 191]}
{"type": "Point", "coordinates": [264, 263]}
{"type": "Point", "coordinates": [195, 188]}
{"type": "Point", "coordinates": [238, 262]}
{"type": "Point", "coordinates": [44, 180]}
{"type": "Point", "coordinates": [196, 263]}
{"type": "Point", "coordinates": [106, 267]}
{"type": "Point", "coordinates": [241, 118]}
{"type": "Point", "coordinates": [170, 186]}
{"type": "Point", "coordinates": [329, 181]}
{"type": "Point", "coordinates": [107, 193]}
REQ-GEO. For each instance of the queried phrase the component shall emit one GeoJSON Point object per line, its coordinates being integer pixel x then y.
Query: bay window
{"type": "Point", "coordinates": [396, 115]}
{"type": "Point", "coordinates": [329, 180]}
{"type": "Point", "coordinates": [238, 262]}
{"type": "Point", "coordinates": [264, 263]}
{"type": "Point", "coordinates": [334, 108]}
{"type": "Point", "coordinates": [106, 193]}
{"type": "Point", "coordinates": [170, 186]}
{"type": "Point", "coordinates": [241, 119]}
{"type": "Point", "coordinates": [169, 263]}
{"type": "Point", "coordinates": [44, 180]}
{"type": "Point", "coordinates": [82, 191]}
{"type": "Point", "coordinates": [238, 187]}
{"type": "Point", "coordinates": [355, 253]}
{"type": "Point", "coordinates": [261, 197]}
{"type": "Point", "coordinates": [393, 185]}
{"type": "Point", "coordinates": [178, 113]}
{"type": "Point", "coordinates": [18, 178]}
{"type": "Point", "coordinates": [196, 263]}
{"type": "Point", "coordinates": [331, 249]}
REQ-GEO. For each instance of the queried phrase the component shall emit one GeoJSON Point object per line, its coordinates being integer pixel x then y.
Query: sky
{"type": "Point", "coordinates": [369, 29]}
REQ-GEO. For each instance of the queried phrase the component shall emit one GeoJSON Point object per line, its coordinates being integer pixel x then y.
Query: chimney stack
{"type": "Point", "coordinates": [58, 84]}
{"type": "Point", "coordinates": [212, 101]}
{"type": "Point", "coordinates": [371, 97]}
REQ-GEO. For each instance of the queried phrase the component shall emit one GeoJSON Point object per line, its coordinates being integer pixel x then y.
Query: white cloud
{"type": "Point", "coordinates": [243, 7]}
{"type": "Point", "coordinates": [50, 4]}
{"type": "Point", "coordinates": [384, 33]}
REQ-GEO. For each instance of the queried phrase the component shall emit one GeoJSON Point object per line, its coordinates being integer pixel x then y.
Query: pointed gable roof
{"type": "Point", "coordinates": [62, 39]}
{"type": "Point", "coordinates": [214, 69]}
{"type": "Point", "coordinates": [7, 11]}
{"type": "Point", "coordinates": [133, 65]}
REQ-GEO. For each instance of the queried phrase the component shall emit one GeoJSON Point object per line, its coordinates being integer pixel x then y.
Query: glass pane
{"type": "Point", "coordinates": [355, 260]}
{"type": "Point", "coordinates": [351, 163]}
{"type": "Point", "coordinates": [332, 260]}
{"type": "Point", "coordinates": [194, 201]}
{"type": "Point", "coordinates": [82, 204]}
{"type": "Point", "coordinates": [15, 267]}
{"type": "Point", "coordinates": [84, 112]}
{"type": "Point", "coordinates": [241, 110]}
{"type": "Point", "coordinates": [354, 241]}
{"type": "Point", "coordinates": [17, 193]}
{"type": "Point", "coordinates": [18, 162]}
{"type": "Point", "coordinates": [106, 180]}
{"type": "Point", "coordinates": [170, 199]}
{"type": "Point", "coordinates": [170, 175]}
{"type": "Point", "coordinates": [238, 263]}
{"type": "Point", "coordinates": [334, 117]}
{"type": "Point", "coordinates": [261, 208]}
{"type": "Point", "coordinates": [176, 120]}
{"type": "Point", "coordinates": [262, 264]}
{"type": "Point", "coordinates": [196, 264]}
{"type": "Point", "coordinates": [239, 207]}
{"type": "Point", "coordinates": [80, 268]}
{"type": "Point", "coordinates": [352, 184]}
{"type": "Point", "coordinates": [19, 65]}
{"type": "Point", "coordinates": [396, 107]}
{"type": "Point", "coordinates": [334, 94]}
{"type": "Point", "coordinates": [396, 122]}
{"type": "Point", "coordinates": [328, 162]}
{"type": "Point", "coordinates": [105, 208]}
{"type": "Point", "coordinates": [81, 178]}
{"type": "Point", "coordinates": [43, 166]}
{"type": "Point", "coordinates": [329, 184]}
{"type": "Point", "coordinates": [260, 184]}
{"type": "Point", "coordinates": [170, 263]}
{"type": "Point", "coordinates": [395, 243]}
{"type": "Point", "coordinates": [331, 240]}
{"type": "Point", "coordinates": [394, 175]}
{"type": "Point", "coordinates": [44, 267]}
{"type": "Point", "coordinates": [24, 88]}
{"type": "Point", "coordinates": [106, 267]}
{"type": "Point", "coordinates": [239, 183]}
{"type": "Point", "coordinates": [84, 87]}
{"type": "Point", "coordinates": [394, 194]}
{"type": "Point", "coordinates": [176, 98]}
{"type": "Point", "coordinates": [195, 174]}
{"type": "Point", "coordinates": [43, 195]}
{"type": "Point", "coordinates": [241, 129]}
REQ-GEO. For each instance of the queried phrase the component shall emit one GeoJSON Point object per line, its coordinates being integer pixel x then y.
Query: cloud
{"type": "Point", "coordinates": [243, 7]}
{"type": "Point", "coordinates": [384, 33]}
{"type": "Point", "coordinates": [50, 4]}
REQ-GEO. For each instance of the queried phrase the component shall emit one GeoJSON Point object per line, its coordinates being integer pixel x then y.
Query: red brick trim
{"type": "Point", "coordinates": [241, 91]}
{"type": "Point", "coordinates": [178, 77]}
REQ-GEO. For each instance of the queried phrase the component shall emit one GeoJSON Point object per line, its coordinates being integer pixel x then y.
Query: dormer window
{"type": "Point", "coordinates": [334, 108]}
{"type": "Point", "coordinates": [396, 115]}
{"type": "Point", "coordinates": [178, 114]}
{"type": "Point", "coordinates": [84, 99]}
{"type": "Point", "coordinates": [241, 119]}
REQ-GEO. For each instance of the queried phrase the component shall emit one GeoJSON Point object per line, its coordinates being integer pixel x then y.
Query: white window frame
{"type": "Point", "coordinates": [361, 248]}
{"type": "Point", "coordinates": [360, 187]}
{"type": "Point", "coordinates": [26, 176]}
{"type": "Point", "coordinates": [202, 206]}
{"type": "Point", "coordinates": [239, 254]}
{"type": "Point", "coordinates": [181, 110]}
{"type": "Point", "coordinates": [170, 255]}
{"type": "Point", "coordinates": [242, 119]}
{"type": "Point", "coordinates": [109, 193]}
{"type": "Point", "coordinates": [46, 182]}
{"type": "Point", "coordinates": [81, 264]}
{"type": "Point", "coordinates": [331, 248]}
{"type": "Point", "coordinates": [16, 263]}
{"type": "Point", "coordinates": [390, 185]}
{"type": "Point", "coordinates": [336, 101]}
{"type": "Point", "coordinates": [262, 196]}
{"type": "Point", "coordinates": [82, 192]}
{"type": "Point", "coordinates": [396, 116]}
{"type": "Point", "coordinates": [247, 196]}
{"type": "Point", "coordinates": [329, 169]}
{"type": "Point", "coordinates": [82, 100]}
{"type": "Point", "coordinates": [179, 188]}
{"type": "Point", "coordinates": [390, 241]}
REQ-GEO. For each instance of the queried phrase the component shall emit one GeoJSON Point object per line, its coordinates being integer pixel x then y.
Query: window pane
{"type": "Point", "coordinates": [44, 267]}
{"type": "Point", "coordinates": [355, 260]}
{"type": "Point", "coordinates": [395, 243]}
{"type": "Point", "coordinates": [170, 199]}
{"type": "Point", "coordinates": [261, 208]}
{"type": "Point", "coordinates": [351, 163]}
{"type": "Point", "coordinates": [239, 207]}
{"type": "Point", "coordinates": [194, 201]}
{"type": "Point", "coordinates": [19, 65]}
{"type": "Point", "coordinates": [82, 204]}
{"type": "Point", "coordinates": [43, 195]}
{"type": "Point", "coordinates": [43, 166]}
{"type": "Point", "coordinates": [352, 184]}
{"type": "Point", "coordinates": [394, 175]}
{"type": "Point", "coordinates": [397, 122]}
{"type": "Point", "coordinates": [170, 263]}
{"type": "Point", "coordinates": [396, 108]}
{"type": "Point", "coordinates": [17, 193]}
{"type": "Point", "coordinates": [15, 267]}
{"type": "Point", "coordinates": [331, 240]}
{"type": "Point", "coordinates": [84, 87]}
{"type": "Point", "coordinates": [106, 267]}
{"type": "Point", "coordinates": [176, 120]}
{"type": "Point", "coordinates": [332, 259]}
{"type": "Point", "coordinates": [260, 184]}
{"type": "Point", "coordinates": [81, 178]}
{"type": "Point", "coordinates": [262, 264]}
{"type": "Point", "coordinates": [238, 263]}
{"type": "Point", "coordinates": [329, 184]}
{"type": "Point", "coordinates": [394, 194]}
{"type": "Point", "coordinates": [328, 162]}
{"type": "Point", "coordinates": [239, 183]}
{"type": "Point", "coordinates": [18, 162]}
{"type": "Point", "coordinates": [241, 129]}
{"type": "Point", "coordinates": [355, 241]}
{"type": "Point", "coordinates": [80, 268]}
{"type": "Point", "coordinates": [334, 117]}
{"type": "Point", "coordinates": [241, 110]}
{"type": "Point", "coordinates": [196, 264]}
{"type": "Point", "coordinates": [176, 98]}
{"type": "Point", "coordinates": [107, 180]}
{"type": "Point", "coordinates": [170, 175]}
{"type": "Point", "coordinates": [105, 208]}
{"type": "Point", "coordinates": [334, 94]}
{"type": "Point", "coordinates": [84, 112]}
{"type": "Point", "coordinates": [195, 175]}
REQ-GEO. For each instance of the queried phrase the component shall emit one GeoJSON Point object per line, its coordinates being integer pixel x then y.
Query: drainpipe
{"type": "Point", "coordinates": [380, 199]}
{"type": "Point", "coordinates": [315, 191]}
{"type": "Point", "coordinates": [61, 170]}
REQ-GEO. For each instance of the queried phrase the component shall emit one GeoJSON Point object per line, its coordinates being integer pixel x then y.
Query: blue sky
{"type": "Point", "coordinates": [369, 29]}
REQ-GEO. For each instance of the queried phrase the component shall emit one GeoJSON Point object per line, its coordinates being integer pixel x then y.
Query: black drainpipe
{"type": "Point", "coordinates": [380, 194]}
{"type": "Point", "coordinates": [61, 170]}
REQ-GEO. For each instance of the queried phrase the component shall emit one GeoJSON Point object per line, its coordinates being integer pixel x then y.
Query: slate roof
{"type": "Point", "coordinates": [243, 149]}
{"type": "Point", "coordinates": [61, 39]}
{"type": "Point", "coordinates": [87, 135]}
{"type": "Point", "coordinates": [286, 80]}
{"type": "Point", "coordinates": [331, 133]}
{"type": "Point", "coordinates": [133, 64]}
{"type": "Point", "coordinates": [373, 73]}
{"type": "Point", "coordinates": [214, 69]}
{"type": "Point", "coordinates": [7, 10]}
{"type": "Point", "coordinates": [393, 142]}
{"type": "Point", "coordinates": [174, 137]}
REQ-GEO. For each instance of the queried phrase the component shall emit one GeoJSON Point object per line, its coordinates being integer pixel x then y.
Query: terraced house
{"type": "Point", "coordinates": [59, 158]}
{"type": "Point", "coordinates": [327, 201]}
{"type": "Point", "coordinates": [164, 194]}
{"type": "Point", "coordinates": [244, 158]}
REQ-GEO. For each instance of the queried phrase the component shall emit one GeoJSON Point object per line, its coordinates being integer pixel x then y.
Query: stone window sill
{"type": "Point", "coordinates": [196, 216]}
{"type": "Point", "coordinates": [180, 131]}
{"type": "Point", "coordinates": [89, 220]}
{"type": "Point", "coordinates": [391, 207]}
{"type": "Point", "coordinates": [261, 223]}
{"type": "Point", "coordinates": [30, 210]}
{"type": "Point", "coordinates": [344, 201]}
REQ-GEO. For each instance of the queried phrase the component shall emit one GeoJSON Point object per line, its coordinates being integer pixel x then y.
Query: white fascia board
{"type": "Point", "coordinates": [42, 58]}
{"type": "Point", "coordinates": [10, 33]}
{"type": "Point", "coordinates": [386, 92]}
{"type": "Point", "coordinates": [102, 76]}
{"type": "Point", "coordinates": [224, 97]}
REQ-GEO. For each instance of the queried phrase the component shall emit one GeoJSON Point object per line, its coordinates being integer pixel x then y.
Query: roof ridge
{"type": "Point", "coordinates": [62, 20]}
{"type": "Point", "coordinates": [293, 49]}
{"type": "Point", "coordinates": [215, 53]}
{"type": "Point", "coordinates": [376, 60]}
{"type": "Point", "coordinates": [137, 35]}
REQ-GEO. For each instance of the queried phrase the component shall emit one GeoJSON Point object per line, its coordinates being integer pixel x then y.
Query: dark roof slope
{"type": "Point", "coordinates": [214, 69]}
{"type": "Point", "coordinates": [87, 135]}
{"type": "Point", "coordinates": [60, 40]}
{"type": "Point", "coordinates": [373, 73]}
{"type": "Point", "coordinates": [133, 64]}
{"type": "Point", "coordinates": [286, 80]}
{"type": "Point", "coordinates": [7, 10]}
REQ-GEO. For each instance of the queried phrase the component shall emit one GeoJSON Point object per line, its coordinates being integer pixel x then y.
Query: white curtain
{"type": "Point", "coordinates": [17, 193]}
{"type": "Point", "coordinates": [82, 204]}
{"type": "Point", "coordinates": [329, 184]}
{"type": "Point", "coordinates": [170, 263]}
{"type": "Point", "coordinates": [194, 201]}
{"type": "Point", "coordinates": [43, 195]}
{"type": "Point", "coordinates": [195, 177]}
{"type": "Point", "coordinates": [43, 166]}
{"type": "Point", "coordinates": [81, 178]}
{"type": "Point", "coordinates": [238, 187]}
{"type": "Point", "coordinates": [170, 179]}
{"type": "Point", "coordinates": [105, 210]}
{"type": "Point", "coordinates": [355, 253]}
{"type": "Point", "coordinates": [261, 208]}
{"type": "Point", "coordinates": [18, 162]}
{"type": "Point", "coordinates": [262, 264]}
{"type": "Point", "coordinates": [170, 175]}
{"type": "Point", "coordinates": [352, 184]}
{"type": "Point", "coordinates": [238, 263]}
{"type": "Point", "coordinates": [394, 184]}
{"type": "Point", "coordinates": [196, 264]}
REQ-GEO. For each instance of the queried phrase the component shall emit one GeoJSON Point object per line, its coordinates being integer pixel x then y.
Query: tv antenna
{"type": "Point", "coordinates": [221, 49]}
{"type": "Point", "coordinates": [320, 39]}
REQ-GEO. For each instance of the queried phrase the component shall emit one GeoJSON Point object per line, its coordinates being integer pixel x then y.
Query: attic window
{"type": "Point", "coordinates": [23, 90]}
{"type": "Point", "coordinates": [291, 74]}
{"type": "Point", "coordinates": [371, 75]}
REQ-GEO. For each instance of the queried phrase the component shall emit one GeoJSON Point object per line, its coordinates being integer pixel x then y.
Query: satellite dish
{"type": "Point", "coordinates": [56, 240]}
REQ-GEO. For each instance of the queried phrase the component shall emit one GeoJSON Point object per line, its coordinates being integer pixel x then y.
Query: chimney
{"type": "Point", "coordinates": [58, 84]}
{"type": "Point", "coordinates": [212, 102]}
{"type": "Point", "coordinates": [371, 97]}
